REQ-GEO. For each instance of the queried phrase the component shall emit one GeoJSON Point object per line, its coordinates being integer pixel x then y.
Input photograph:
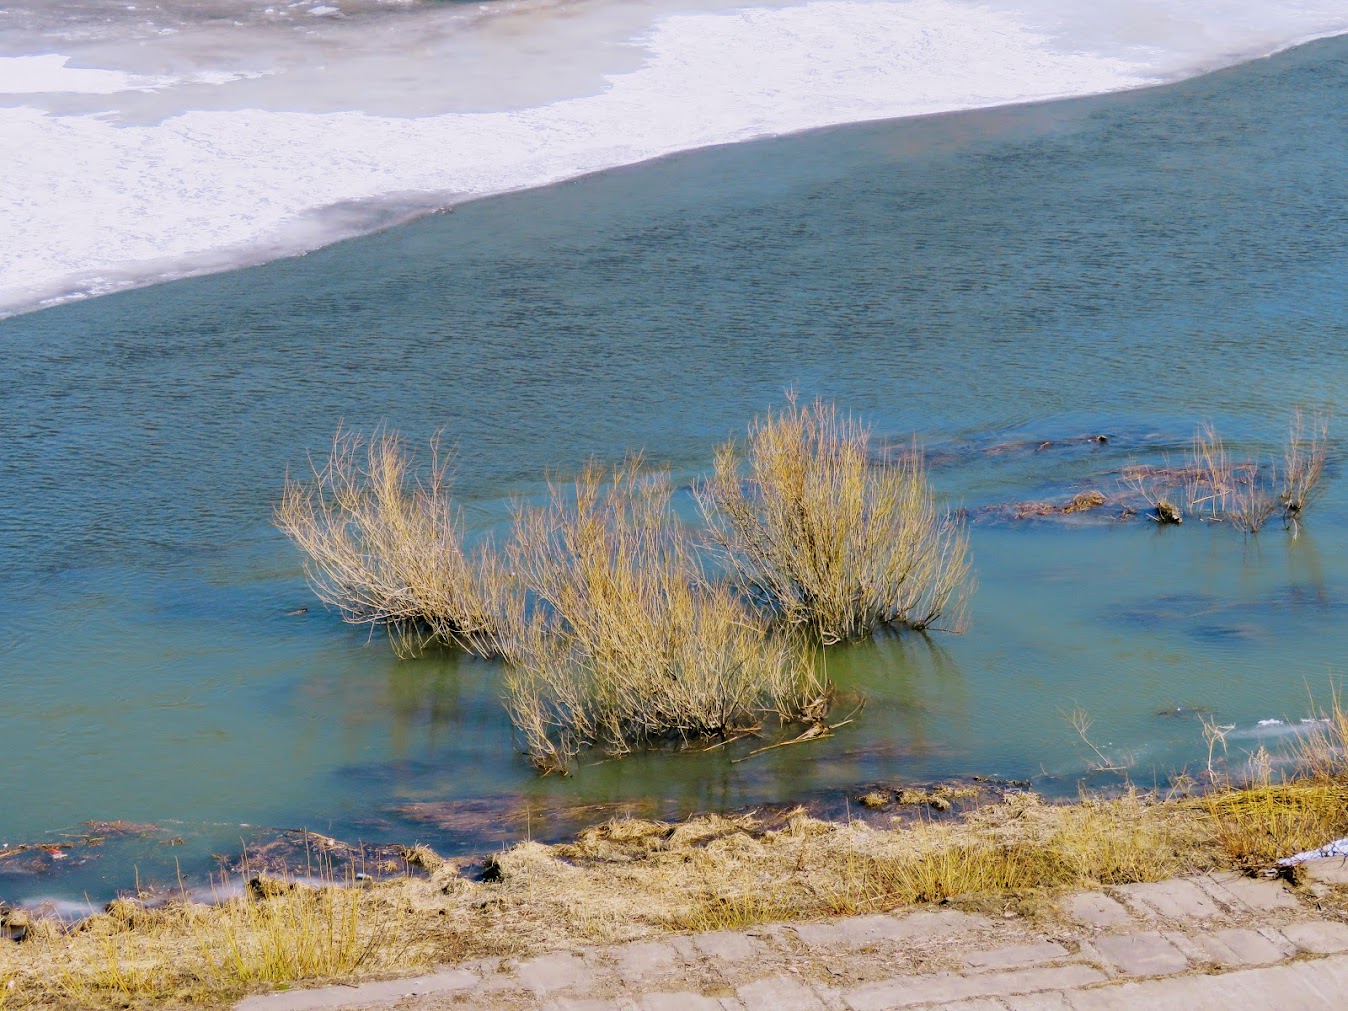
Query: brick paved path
{"type": "Point", "coordinates": [1213, 941]}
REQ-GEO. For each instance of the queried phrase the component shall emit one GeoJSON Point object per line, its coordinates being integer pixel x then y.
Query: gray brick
{"type": "Point", "coordinates": [679, 1002]}
{"type": "Point", "coordinates": [567, 1004]}
{"type": "Point", "coordinates": [728, 946]}
{"type": "Point", "coordinates": [1193, 952]}
{"type": "Point", "coordinates": [1016, 955]}
{"type": "Point", "coordinates": [1048, 1000]}
{"type": "Point", "coordinates": [1327, 871]}
{"type": "Point", "coordinates": [1144, 954]}
{"type": "Point", "coordinates": [942, 988]}
{"type": "Point", "coordinates": [1242, 893]}
{"type": "Point", "coordinates": [1177, 899]}
{"type": "Point", "coordinates": [647, 958]}
{"type": "Point", "coordinates": [446, 981]}
{"type": "Point", "coordinates": [1302, 986]}
{"type": "Point", "coordinates": [779, 993]}
{"type": "Point", "coordinates": [547, 973]}
{"type": "Point", "coordinates": [1096, 909]}
{"type": "Point", "coordinates": [857, 931]}
{"type": "Point", "coordinates": [1318, 936]}
{"type": "Point", "coordinates": [1241, 947]}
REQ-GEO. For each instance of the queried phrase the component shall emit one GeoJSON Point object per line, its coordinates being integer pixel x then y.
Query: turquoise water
{"type": "Point", "coordinates": [1124, 265]}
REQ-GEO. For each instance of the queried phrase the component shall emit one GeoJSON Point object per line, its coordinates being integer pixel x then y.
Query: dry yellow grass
{"type": "Point", "coordinates": [8, 982]}
{"type": "Point", "coordinates": [1260, 825]}
{"type": "Point", "coordinates": [195, 954]}
{"type": "Point", "coordinates": [383, 544]}
{"type": "Point", "coordinates": [627, 642]}
{"type": "Point", "coordinates": [828, 537]}
{"type": "Point", "coordinates": [1264, 820]}
{"type": "Point", "coordinates": [1222, 489]}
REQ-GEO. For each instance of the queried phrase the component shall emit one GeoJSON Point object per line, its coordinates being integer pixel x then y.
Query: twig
{"type": "Point", "coordinates": [814, 733]}
{"type": "Point", "coordinates": [1081, 723]}
{"type": "Point", "coordinates": [722, 743]}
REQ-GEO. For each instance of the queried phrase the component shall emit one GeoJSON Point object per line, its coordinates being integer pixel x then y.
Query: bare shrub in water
{"type": "Point", "coordinates": [1222, 489]}
{"type": "Point", "coordinates": [832, 540]}
{"type": "Point", "coordinates": [384, 545]}
{"type": "Point", "coordinates": [1215, 487]}
{"type": "Point", "coordinates": [1209, 477]}
{"type": "Point", "coordinates": [1303, 464]}
{"type": "Point", "coordinates": [627, 641]}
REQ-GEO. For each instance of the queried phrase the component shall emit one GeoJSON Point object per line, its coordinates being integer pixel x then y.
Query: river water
{"type": "Point", "coordinates": [1123, 265]}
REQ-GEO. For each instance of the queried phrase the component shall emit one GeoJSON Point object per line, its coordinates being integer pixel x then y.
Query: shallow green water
{"type": "Point", "coordinates": [1125, 265]}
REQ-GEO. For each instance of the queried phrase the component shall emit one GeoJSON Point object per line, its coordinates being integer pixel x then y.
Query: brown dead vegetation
{"type": "Point", "coordinates": [629, 642]}
{"type": "Point", "coordinates": [941, 797]}
{"type": "Point", "coordinates": [1082, 502]}
{"type": "Point", "coordinates": [615, 633]}
{"type": "Point", "coordinates": [383, 544]}
{"type": "Point", "coordinates": [829, 538]}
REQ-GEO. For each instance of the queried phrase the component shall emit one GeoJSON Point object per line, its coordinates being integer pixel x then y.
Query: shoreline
{"type": "Point", "coordinates": [277, 852]}
{"type": "Point", "coordinates": [634, 880]}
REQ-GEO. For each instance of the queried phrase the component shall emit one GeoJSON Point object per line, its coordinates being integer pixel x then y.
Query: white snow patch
{"type": "Point", "coordinates": [47, 73]}
{"type": "Point", "coordinates": [50, 74]}
{"type": "Point", "coordinates": [91, 203]}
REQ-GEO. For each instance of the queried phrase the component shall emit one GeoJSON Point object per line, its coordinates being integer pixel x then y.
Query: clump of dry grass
{"type": "Point", "coordinates": [1259, 825]}
{"type": "Point", "coordinates": [827, 537]}
{"type": "Point", "coordinates": [1320, 751]}
{"type": "Point", "coordinates": [1085, 501]}
{"type": "Point", "coordinates": [1222, 489]}
{"type": "Point", "coordinates": [816, 868]}
{"type": "Point", "coordinates": [9, 981]}
{"type": "Point", "coordinates": [1260, 821]}
{"type": "Point", "coordinates": [1156, 487]}
{"type": "Point", "coordinates": [384, 545]}
{"type": "Point", "coordinates": [189, 953]}
{"type": "Point", "coordinates": [627, 641]}
{"type": "Point", "coordinates": [1247, 494]}
{"type": "Point", "coordinates": [1208, 475]}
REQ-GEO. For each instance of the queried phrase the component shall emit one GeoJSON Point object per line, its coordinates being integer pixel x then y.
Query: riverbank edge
{"type": "Point", "coordinates": [632, 880]}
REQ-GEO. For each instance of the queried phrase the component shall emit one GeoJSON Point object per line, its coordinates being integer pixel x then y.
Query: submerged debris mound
{"type": "Point", "coordinates": [1082, 502]}
{"type": "Point", "coordinates": [941, 797]}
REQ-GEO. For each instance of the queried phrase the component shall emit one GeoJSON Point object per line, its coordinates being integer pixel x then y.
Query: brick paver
{"type": "Point", "coordinates": [1177, 899]}
{"type": "Point", "coordinates": [1215, 941]}
{"type": "Point", "coordinates": [1016, 955]}
{"type": "Point", "coordinates": [1096, 909]}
